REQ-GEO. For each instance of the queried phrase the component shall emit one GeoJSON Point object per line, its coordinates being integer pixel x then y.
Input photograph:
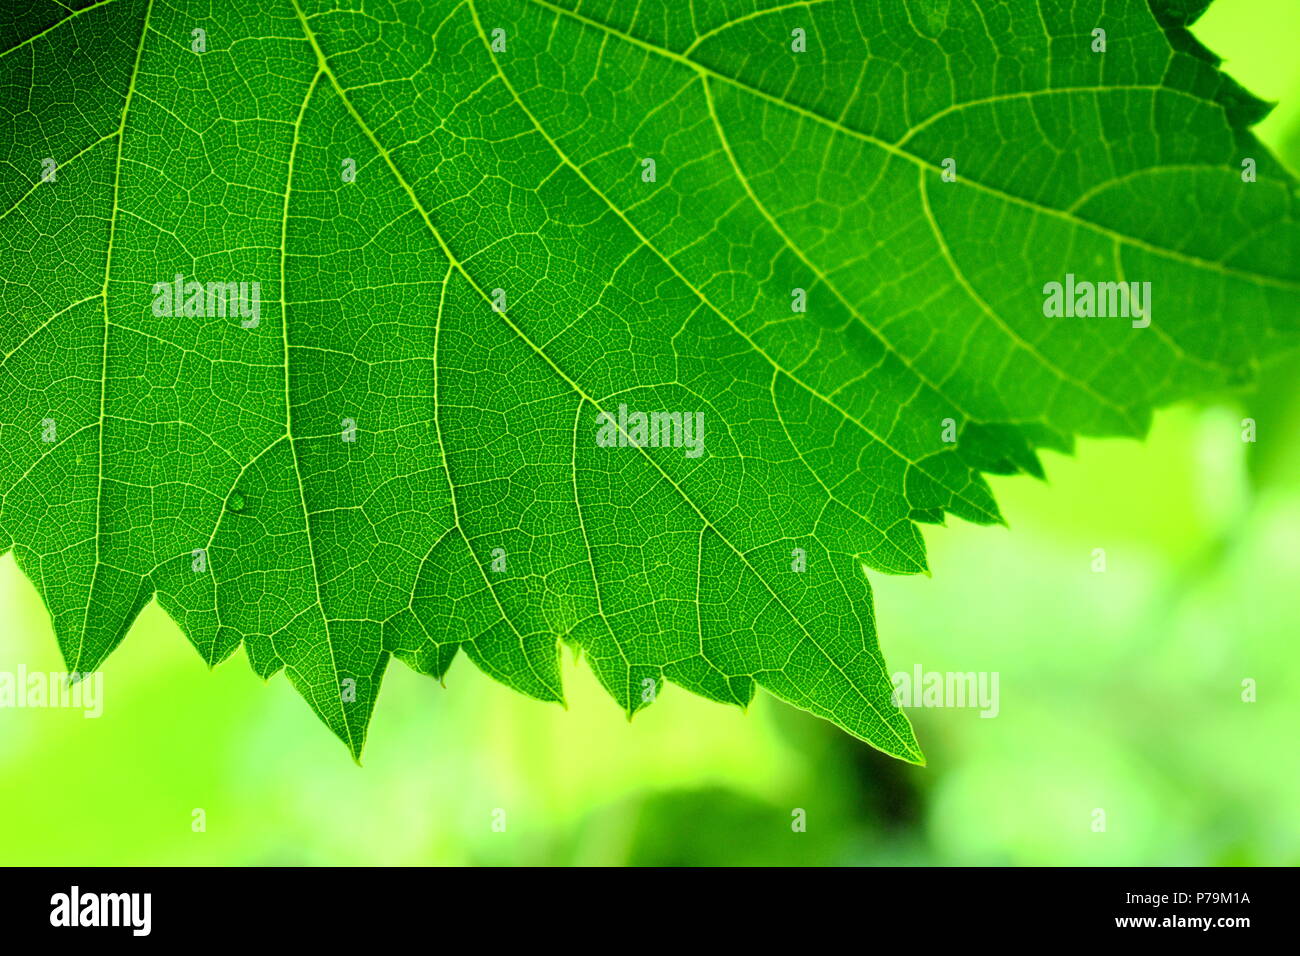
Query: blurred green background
{"type": "Point", "coordinates": [1119, 691]}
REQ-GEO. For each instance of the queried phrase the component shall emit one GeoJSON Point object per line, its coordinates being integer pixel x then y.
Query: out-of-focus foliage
{"type": "Point", "coordinates": [1119, 691]}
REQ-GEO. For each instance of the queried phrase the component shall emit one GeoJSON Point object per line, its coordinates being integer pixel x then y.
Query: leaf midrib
{"type": "Point", "coordinates": [456, 263]}
{"type": "Point", "coordinates": [699, 294]}
{"type": "Point", "coordinates": [103, 293]}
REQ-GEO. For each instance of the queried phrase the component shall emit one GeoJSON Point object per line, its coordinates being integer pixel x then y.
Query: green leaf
{"type": "Point", "coordinates": [502, 269]}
